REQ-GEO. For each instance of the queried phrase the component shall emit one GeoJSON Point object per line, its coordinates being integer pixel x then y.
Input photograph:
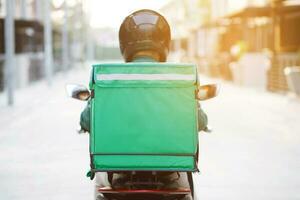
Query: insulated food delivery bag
{"type": "Point", "coordinates": [143, 117]}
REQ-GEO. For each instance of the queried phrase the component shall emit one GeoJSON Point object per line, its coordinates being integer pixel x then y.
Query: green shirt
{"type": "Point", "coordinates": [85, 115]}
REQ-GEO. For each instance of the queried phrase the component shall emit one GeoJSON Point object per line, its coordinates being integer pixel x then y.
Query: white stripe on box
{"type": "Point", "coordinates": [145, 77]}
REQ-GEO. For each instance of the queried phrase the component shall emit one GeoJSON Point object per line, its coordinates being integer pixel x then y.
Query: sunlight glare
{"type": "Point", "coordinates": [111, 13]}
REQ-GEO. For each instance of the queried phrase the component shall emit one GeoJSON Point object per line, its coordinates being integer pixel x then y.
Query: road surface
{"type": "Point", "coordinates": [253, 153]}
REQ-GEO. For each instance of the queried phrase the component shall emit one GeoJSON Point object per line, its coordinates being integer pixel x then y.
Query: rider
{"type": "Point", "coordinates": [144, 36]}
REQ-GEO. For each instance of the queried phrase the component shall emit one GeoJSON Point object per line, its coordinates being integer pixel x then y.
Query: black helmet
{"type": "Point", "coordinates": [144, 30]}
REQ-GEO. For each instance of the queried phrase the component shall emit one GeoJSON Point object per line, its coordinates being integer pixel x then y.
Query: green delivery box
{"type": "Point", "coordinates": [144, 117]}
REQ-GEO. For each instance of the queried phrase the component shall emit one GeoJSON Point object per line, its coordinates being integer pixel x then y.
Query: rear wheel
{"type": "Point", "coordinates": [191, 183]}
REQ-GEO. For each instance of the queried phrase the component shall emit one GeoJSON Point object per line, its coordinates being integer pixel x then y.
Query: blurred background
{"type": "Point", "coordinates": [250, 47]}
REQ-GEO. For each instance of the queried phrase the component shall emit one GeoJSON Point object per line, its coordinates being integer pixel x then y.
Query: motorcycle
{"type": "Point", "coordinates": [152, 185]}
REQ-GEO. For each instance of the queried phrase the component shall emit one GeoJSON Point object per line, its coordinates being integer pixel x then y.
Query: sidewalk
{"type": "Point", "coordinates": [42, 156]}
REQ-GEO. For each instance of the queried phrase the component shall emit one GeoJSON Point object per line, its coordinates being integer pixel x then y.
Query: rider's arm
{"type": "Point", "coordinates": [202, 119]}
{"type": "Point", "coordinates": [85, 117]}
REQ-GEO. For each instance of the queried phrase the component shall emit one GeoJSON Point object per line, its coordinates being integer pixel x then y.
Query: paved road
{"type": "Point", "coordinates": [254, 152]}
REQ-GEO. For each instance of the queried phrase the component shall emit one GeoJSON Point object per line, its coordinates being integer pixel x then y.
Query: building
{"type": "Point", "coordinates": [183, 17]}
{"type": "Point", "coordinates": [233, 33]}
{"type": "Point", "coordinates": [29, 38]}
